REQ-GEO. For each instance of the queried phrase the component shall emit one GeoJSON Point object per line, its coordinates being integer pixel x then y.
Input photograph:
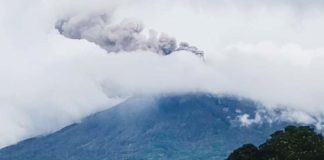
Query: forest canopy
{"type": "Point", "coordinates": [292, 143]}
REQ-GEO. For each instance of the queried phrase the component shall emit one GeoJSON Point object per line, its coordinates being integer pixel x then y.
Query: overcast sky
{"type": "Point", "coordinates": [269, 51]}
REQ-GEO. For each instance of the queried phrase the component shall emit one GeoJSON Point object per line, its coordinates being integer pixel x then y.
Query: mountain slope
{"type": "Point", "coordinates": [193, 126]}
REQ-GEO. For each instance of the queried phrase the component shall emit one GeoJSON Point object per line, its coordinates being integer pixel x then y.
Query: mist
{"type": "Point", "coordinates": [271, 52]}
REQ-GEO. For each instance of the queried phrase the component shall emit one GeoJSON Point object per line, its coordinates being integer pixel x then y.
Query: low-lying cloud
{"type": "Point", "coordinates": [55, 68]}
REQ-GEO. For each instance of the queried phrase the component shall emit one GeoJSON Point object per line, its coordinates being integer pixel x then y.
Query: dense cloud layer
{"type": "Point", "coordinates": [270, 51]}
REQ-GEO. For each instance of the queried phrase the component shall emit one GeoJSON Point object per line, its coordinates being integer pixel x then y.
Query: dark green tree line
{"type": "Point", "coordinates": [292, 143]}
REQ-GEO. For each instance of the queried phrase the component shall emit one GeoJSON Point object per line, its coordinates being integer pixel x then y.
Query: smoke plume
{"type": "Point", "coordinates": [55, 70]}
{"type": "Point", "coordinates": [125, 36]}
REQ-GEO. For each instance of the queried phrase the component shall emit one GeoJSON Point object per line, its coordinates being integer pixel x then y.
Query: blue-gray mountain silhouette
{"type": "Point", "coordinates": [191, 126]}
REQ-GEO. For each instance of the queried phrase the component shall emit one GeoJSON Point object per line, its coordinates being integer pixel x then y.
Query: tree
{"type": "Point", "coordinates": [292, 143]}
{"type": "Point", "coordinates": [246, 152]}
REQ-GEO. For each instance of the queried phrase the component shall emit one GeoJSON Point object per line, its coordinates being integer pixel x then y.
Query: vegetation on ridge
{"type": "Point", "coordinates": [292, 143]}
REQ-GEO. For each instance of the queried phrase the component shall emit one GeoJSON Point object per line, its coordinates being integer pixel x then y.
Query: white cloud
{"type": "Point", "coordinates": [271, 52]}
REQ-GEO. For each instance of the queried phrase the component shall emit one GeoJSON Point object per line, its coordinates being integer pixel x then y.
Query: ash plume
{"type": "Point", "coordinates": [126, 36]}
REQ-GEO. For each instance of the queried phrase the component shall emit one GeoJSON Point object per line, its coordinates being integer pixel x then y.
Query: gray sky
{"type": "Point", "coordinates": [270, 51]}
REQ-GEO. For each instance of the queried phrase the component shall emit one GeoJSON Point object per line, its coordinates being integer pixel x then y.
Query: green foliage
{"type": "Point", "coordinates": [293, 143]}
{"type": "Point", "coordinates": [246, 152]}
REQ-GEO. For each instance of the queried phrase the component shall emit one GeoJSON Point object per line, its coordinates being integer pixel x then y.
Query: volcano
{"type": "Point", "coordinates": [190, 126]}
